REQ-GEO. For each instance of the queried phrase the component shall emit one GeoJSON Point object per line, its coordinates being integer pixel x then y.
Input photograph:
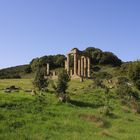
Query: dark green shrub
{"type": "Point", "coordinates": [134, 71]}
{"type": "Point", "coordinates": [122, 80]}
{"type": "Point", "coordinates": [97, 83]}
{"type": "Point", "coordinates": [62, 84]}
{"type": "Point", "coordinates": [40, 81]}
{"type": "Point", "coordinates": [137, 83]}
{"type": "Point", "coordinates": [103, 75]}
{"type": "Point", "coordinates": [125, 91]}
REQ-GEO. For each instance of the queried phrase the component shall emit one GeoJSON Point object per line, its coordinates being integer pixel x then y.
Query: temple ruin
{"type": "Point", "coordinates": [81, 66]}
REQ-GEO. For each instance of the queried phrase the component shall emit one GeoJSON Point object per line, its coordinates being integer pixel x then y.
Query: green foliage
{"type": "Point", "coordinates": [97, 82]}
{"type": "Point", "coordinates": [110, 58]}
{"type": "Point", "coordinates": [126, 92]}
{"type": "Point", "coordinates": [40, 81]}
{"type": "Point", "coordinates": [102, 75]}
{"type": "Point", "coordinates": [124, 68]}
{"type": "Point", "coordinates": [55, 61]}
{"type": "Point", "coordinates": [62, 84]}
{"type": "Point", "coordinates": [28, 69]}
{"type": "Point", "coordinates": [137, 83]}
{"type": "Point", "coordinates": [134, 70]}
{"type": "Point", "coordinates": [134, 73]}
{"type": "Point", "coordinates": [122, 80]}
{"type": "Point", "coordinates": [13, 72]}
{"type": "Point", "coordinates": [104, 58]}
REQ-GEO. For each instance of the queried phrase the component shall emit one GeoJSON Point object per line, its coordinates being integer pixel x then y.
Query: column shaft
{"type": "Point", "coordinates": [85, 67]}
{"type": "Point", "coordinates": [79, 67]}
{"type": "Point", "coordinates": [48, 69]}
{"type": "Point", "coordinates": [68, 64]}
{"type": "Point", "coordinates": [82, 67]}
{"type": "Point", "coordinates": [75, 64]}
{"type": "Point", "coordinates": [65, 64]}
{"type": "Point", "coordinates": [88, 59]}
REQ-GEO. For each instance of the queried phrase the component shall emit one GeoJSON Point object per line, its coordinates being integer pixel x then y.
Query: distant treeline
{"type": "Point", "coordinates": [13, 72]}
{"type": "Point", "coordinates": [97, 56]}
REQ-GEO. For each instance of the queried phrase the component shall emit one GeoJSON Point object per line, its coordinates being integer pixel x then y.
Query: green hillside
{"type": "Point", "coordinates": [42, 117]}
{"type": "Point", "coordinates": [104, 107]}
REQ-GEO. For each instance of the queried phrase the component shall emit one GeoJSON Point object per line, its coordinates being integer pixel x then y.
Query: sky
{"type": "Point", "coordinates": [34, 28]}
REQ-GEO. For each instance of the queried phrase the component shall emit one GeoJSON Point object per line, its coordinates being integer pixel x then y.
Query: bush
{"type": "Point", "coordinates": [134, 71]}
{"type": "Point", "coordinates": [122, 80]}
{"type": "Point", "coordinates": [137, 83]}
{"type": "Point", "coordinates": [126, 92]}
{"type": "Point", "coordinates": [40, 81]}
{"type": "Point", "coordinates": [103, 75]}
{"type": "Point", "coordinates": [98, 83]}
{"type": "Point", "coordinates": [105, 111]}
{"type": "Point", "coordinates": [62, 84]}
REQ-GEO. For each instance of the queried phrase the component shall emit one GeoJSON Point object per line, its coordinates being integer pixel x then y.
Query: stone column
{"type": "Point", "coordinates": [71, 73]}
{"type": "Point", "coordinates": [48, 69]}
{"type": "Point", "coordinates": [88, 70]}
{"type": "Point", "coordinates": [82, 67]}
{"type": "Point", "coordinates": [65, 64]}
{"type": "Point", "coordinates": [54, 73]}
{"type": "Point", "coordinates": [85, 67]}
{"type": "Point", "coordinates": [79, 67]}
{"type": "Point", "coordinates": [75, 64]}
{"type": "Point", "coordinates": [68, 64]}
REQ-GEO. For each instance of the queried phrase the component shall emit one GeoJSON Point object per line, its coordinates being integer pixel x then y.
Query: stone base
{"type": "Point", "coordinates": [75, 77]}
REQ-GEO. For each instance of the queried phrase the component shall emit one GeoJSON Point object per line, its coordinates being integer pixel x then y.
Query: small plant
{"type": "Point", "coordinates": [97, 83]}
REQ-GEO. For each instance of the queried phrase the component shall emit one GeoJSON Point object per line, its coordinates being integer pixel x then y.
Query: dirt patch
{"type": "Point", "coordinates": [91, 118]}
{"type": "Point", "coordinates": [100, 122]}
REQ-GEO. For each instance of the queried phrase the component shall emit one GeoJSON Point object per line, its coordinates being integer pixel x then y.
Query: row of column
{"type": "Point", "coordinates": [81, 66]}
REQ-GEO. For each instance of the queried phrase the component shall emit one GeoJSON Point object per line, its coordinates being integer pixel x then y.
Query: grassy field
{"type": "Point", "coordinates": [22, 83]}
{"type": "Point", "coordinates": [27, 117]}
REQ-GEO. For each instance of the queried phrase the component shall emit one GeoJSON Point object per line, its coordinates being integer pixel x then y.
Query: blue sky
{"type": "Point", "coordinates": [33, 28]}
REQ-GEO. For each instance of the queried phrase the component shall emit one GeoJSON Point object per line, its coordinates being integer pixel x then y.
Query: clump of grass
{"type": "Point", "coordinates": [16, 124]}
{"type": "Point", "coordinates": [105, 111]}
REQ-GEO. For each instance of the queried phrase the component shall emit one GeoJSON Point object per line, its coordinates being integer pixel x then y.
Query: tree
{"type": "Point", "coordinates": [62, 86]}
{"type": "Point", "coordinates": [28, 69]}
{"type": "Point", "coordinates": [104, 58]}
{"type": "Point", "coordinates": [110, 58]}
{"type": "Point", "coordinates": [40, 81]}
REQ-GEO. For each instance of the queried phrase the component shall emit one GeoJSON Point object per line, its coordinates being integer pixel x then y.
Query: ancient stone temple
{"type": "Point", "coordinates": [81, 66]}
